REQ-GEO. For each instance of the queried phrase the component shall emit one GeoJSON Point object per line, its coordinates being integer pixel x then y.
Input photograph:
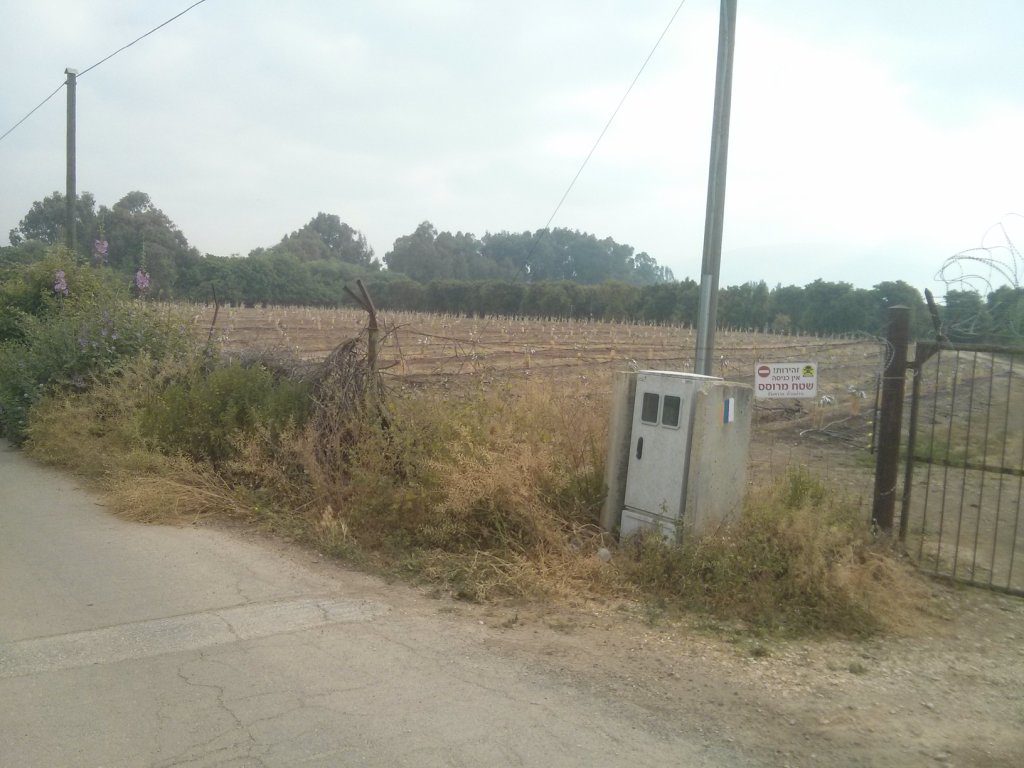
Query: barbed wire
{"type": "Point", "coordinates": [983, 270]}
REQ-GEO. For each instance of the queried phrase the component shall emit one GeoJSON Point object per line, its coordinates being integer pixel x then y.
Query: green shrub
{"type": "Point", "coordinates": [29, 291]}
{"type": "Point", "coordinates": [204, 413]}
{"type": "Point", "coordinates": [63, 339]}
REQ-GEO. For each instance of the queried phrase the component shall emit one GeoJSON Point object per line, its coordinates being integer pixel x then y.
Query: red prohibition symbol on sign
{"type": "Point", "coordinates": [763, 371]}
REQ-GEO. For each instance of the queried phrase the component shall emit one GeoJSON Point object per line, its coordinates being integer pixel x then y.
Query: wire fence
{"type": "Point", "coordinates": [450, 351]}
{"type": "Point", "coordinates": [434, 346]}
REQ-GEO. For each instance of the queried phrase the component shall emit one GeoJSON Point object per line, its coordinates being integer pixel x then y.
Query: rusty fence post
{"type": "Point", "coordinates": [216, 311]}
{"type": "Point", "coordinates": [890, 419]}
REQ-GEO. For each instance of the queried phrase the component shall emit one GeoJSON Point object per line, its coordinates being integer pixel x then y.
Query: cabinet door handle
{"type": "Point", "coordinates": [640, 448]}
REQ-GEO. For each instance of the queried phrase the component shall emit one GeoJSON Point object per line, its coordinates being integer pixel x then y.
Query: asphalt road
{"type": "Point", "coordinates": [124, 644]}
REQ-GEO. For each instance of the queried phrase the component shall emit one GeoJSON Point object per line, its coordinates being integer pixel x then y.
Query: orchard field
{"type": "Point", "coordinates": [421, 345]}
{"type": "Point", "coordinates": [831, 434]}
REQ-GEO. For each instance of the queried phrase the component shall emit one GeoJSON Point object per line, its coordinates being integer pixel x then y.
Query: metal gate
{"type": "Point", "coordinates": [962, 494]}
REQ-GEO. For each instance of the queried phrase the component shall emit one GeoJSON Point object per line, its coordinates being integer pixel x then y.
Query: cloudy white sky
{"type": "Point", "coordinates": [870, 140]}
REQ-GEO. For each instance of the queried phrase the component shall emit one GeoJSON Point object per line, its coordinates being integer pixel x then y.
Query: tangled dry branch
{"type": "Point", "coordinates": [345, 389]}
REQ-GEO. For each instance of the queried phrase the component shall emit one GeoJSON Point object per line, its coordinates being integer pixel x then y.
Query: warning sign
{"type": "Point", "coordinates": [777, 380]}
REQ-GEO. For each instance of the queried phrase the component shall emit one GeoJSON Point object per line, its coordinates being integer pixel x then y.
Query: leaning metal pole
{"type": "Point", "coordinates": [715, 215]}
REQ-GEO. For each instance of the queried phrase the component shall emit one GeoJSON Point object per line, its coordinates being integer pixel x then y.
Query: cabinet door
{"type": "Point", "coordinates": [657, 459]}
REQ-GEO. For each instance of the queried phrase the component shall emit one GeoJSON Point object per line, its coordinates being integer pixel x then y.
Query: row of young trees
{"type": "Point", "coordinates": [819, 307]}
{"type": "Point", "coordinates": [557, 273]}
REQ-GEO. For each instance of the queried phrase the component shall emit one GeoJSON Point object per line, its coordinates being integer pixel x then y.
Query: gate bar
{"type": "Point", "coordinates": [1002, 463]}
{"type": "Point", "coordinates": [984, 462]}
{"type": "Point", "coordinates": [908, 478]}
{"type": "Point", "coordinates": [967, 451]}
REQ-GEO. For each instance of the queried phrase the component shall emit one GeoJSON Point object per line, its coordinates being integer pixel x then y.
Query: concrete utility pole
{"type": "Point", "coordinates": [70, 196]}
{"type": "Point", "coordinates": [714, 218]}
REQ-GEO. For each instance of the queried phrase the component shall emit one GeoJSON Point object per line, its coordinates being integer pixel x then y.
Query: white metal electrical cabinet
{"type": "Point", "coordinates": [688, 451]}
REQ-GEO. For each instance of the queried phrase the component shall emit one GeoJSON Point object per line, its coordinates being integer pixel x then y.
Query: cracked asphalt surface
{"type": "Point", "coordinates": [124, 644]}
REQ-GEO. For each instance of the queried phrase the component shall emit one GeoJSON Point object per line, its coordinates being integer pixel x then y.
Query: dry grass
{"type": "Point", "coordinates": [490, 490]}
{"type": "Point", "coordinates": [492, 493]}
{"type": "Point", "coordinates": [180, 494]}
{"type": "Point", "coordinates": [800, 559]}
{"type": "Point", "coordinates": [96, 434]}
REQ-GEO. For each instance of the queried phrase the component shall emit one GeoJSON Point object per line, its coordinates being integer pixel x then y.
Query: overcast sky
{"type": "Point", "coordinates": [870, 140]}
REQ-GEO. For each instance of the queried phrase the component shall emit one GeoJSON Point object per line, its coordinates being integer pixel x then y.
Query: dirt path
{"type": "Point", "coordinates": [951, 694]}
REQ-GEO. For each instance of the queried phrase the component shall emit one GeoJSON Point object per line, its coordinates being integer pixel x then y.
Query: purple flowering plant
{"type": "Point", "coordinates": [99, 251]}
{"type": "Point", "coordinates": [60, 283]}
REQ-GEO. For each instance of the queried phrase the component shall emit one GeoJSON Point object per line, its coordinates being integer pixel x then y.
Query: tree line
{"type": "Point", "coordinates": [307, 264]}
{"type": "Point", "coordinates": [547, 273]}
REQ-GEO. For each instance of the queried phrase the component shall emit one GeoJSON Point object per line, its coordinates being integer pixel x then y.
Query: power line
{"type": "Point", "coordinates": [142, 37]}
{"type": "Point", "coordinates": [614, 114]}
{"type": "Point", "coordinates": [37, 106]}
{"type": "Point", "coordinates": [93, 66]}
{"type": "Point", "coordinates": [604, 130]}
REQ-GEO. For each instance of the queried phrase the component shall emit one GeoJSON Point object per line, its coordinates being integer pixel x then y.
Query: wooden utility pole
{"type": "Point", "coordinates": [715, 215]}
{"type": "Point", "coordinates": [890, 419]}
{"type": "Point", "coordinates": [70, 195]}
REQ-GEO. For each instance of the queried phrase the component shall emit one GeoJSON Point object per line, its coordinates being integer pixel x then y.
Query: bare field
{"type": "Point", "coordinates": [420, 344]}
